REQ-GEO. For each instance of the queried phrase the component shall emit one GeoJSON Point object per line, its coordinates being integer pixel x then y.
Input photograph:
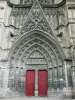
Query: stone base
{"type": "Point", "coordinates": [6, 93]}
{"type": "Point", "coordinates": [67, 93]}
{"type": "Point", "coordinates": [34, 98]}
{"type": "Point", "coordinates": [3, 92]}
{"type": "Point", "coordinates": [36, 93]}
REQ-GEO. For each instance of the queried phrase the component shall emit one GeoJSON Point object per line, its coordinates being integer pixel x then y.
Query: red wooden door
{"type": "Point", "coordinates": [42, 82]}
{"type": "Point", "coordinates": [30, 83]}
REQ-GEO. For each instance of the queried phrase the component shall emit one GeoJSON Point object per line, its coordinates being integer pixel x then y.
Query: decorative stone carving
{"type": "Point", "coordinates": [24, 51]}
{"type": "Point", "coordinates": [35, 40]}
{"type": "Point", "coordinates": [31, 1]}
{"type": "Point", "coordinates": [17, 17]}
{"type": "Point", "coordinates": [36, 20]}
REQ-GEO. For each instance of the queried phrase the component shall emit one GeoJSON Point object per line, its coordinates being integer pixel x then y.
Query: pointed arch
{"type": "Point", "coordinates": [43, 35]}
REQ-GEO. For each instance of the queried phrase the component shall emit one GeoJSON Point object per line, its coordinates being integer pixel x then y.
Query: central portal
{"type": "Point", "coordinates": [42, 83]}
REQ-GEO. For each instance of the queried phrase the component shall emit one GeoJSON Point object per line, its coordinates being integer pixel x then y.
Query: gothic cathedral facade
{"type": "Point", "coordinates": [37, 48]}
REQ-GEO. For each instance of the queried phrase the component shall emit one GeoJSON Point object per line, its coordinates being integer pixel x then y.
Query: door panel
{"type": "Point", "coordinates": [42, 82]}
{"type": "Point", "coordinates": [30, 83]}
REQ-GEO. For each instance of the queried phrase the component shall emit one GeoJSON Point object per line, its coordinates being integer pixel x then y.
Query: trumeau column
{"type": "Point", "coordinates": [36, 82]}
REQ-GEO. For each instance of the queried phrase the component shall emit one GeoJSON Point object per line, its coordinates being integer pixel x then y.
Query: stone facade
{"type": "Point", "coordinates": [37, 35]}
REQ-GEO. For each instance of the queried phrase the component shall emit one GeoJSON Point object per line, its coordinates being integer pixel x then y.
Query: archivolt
{"type": "Point", "coordinates": [44, 46]}
{"type": "Point", "coordinates": [24, 47]}
{"type": "Point", "coordinates": [42, 50]}
{"type": "Point", "coordinates": [43, 40]}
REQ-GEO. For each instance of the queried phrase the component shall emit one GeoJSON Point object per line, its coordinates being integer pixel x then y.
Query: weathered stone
{"type": "Point", "coordinates": [37, 35]}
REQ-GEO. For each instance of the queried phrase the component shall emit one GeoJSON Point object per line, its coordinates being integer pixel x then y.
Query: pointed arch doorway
{"type": "Point", "coordinates": [37, 54]}
{"type": "Point", "coordinates": [36, 65]}
{"type": "Point", "coordinates": [36, 75]}
{"type": "Point", "coordinates": [36, 59]}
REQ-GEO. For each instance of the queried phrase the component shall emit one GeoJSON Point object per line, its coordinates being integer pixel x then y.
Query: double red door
{"type": "Point", "coordinates": [42, 83]}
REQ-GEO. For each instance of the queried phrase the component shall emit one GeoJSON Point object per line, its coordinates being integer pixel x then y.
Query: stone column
{"type": "Point", "coordinates": [66, 77]}
{"type": "Point", "coordinates": [73, 79]}
{"type": "Point", "coordinates": [36, 82]}
{"type": "Point", "coordinates": [25, 81]}
{"type": "Point", "coordinates": [5, 80]}
{"type": "Point", "coordinates": [48, 92]}
{"type": "Point", "coordinates": [67, 90]}
{"type": "Point", "coordinates": [6, 75]}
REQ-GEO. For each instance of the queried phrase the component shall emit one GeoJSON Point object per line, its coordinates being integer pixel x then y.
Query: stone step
{"type": "Point", "coordinates": [33, 98]}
